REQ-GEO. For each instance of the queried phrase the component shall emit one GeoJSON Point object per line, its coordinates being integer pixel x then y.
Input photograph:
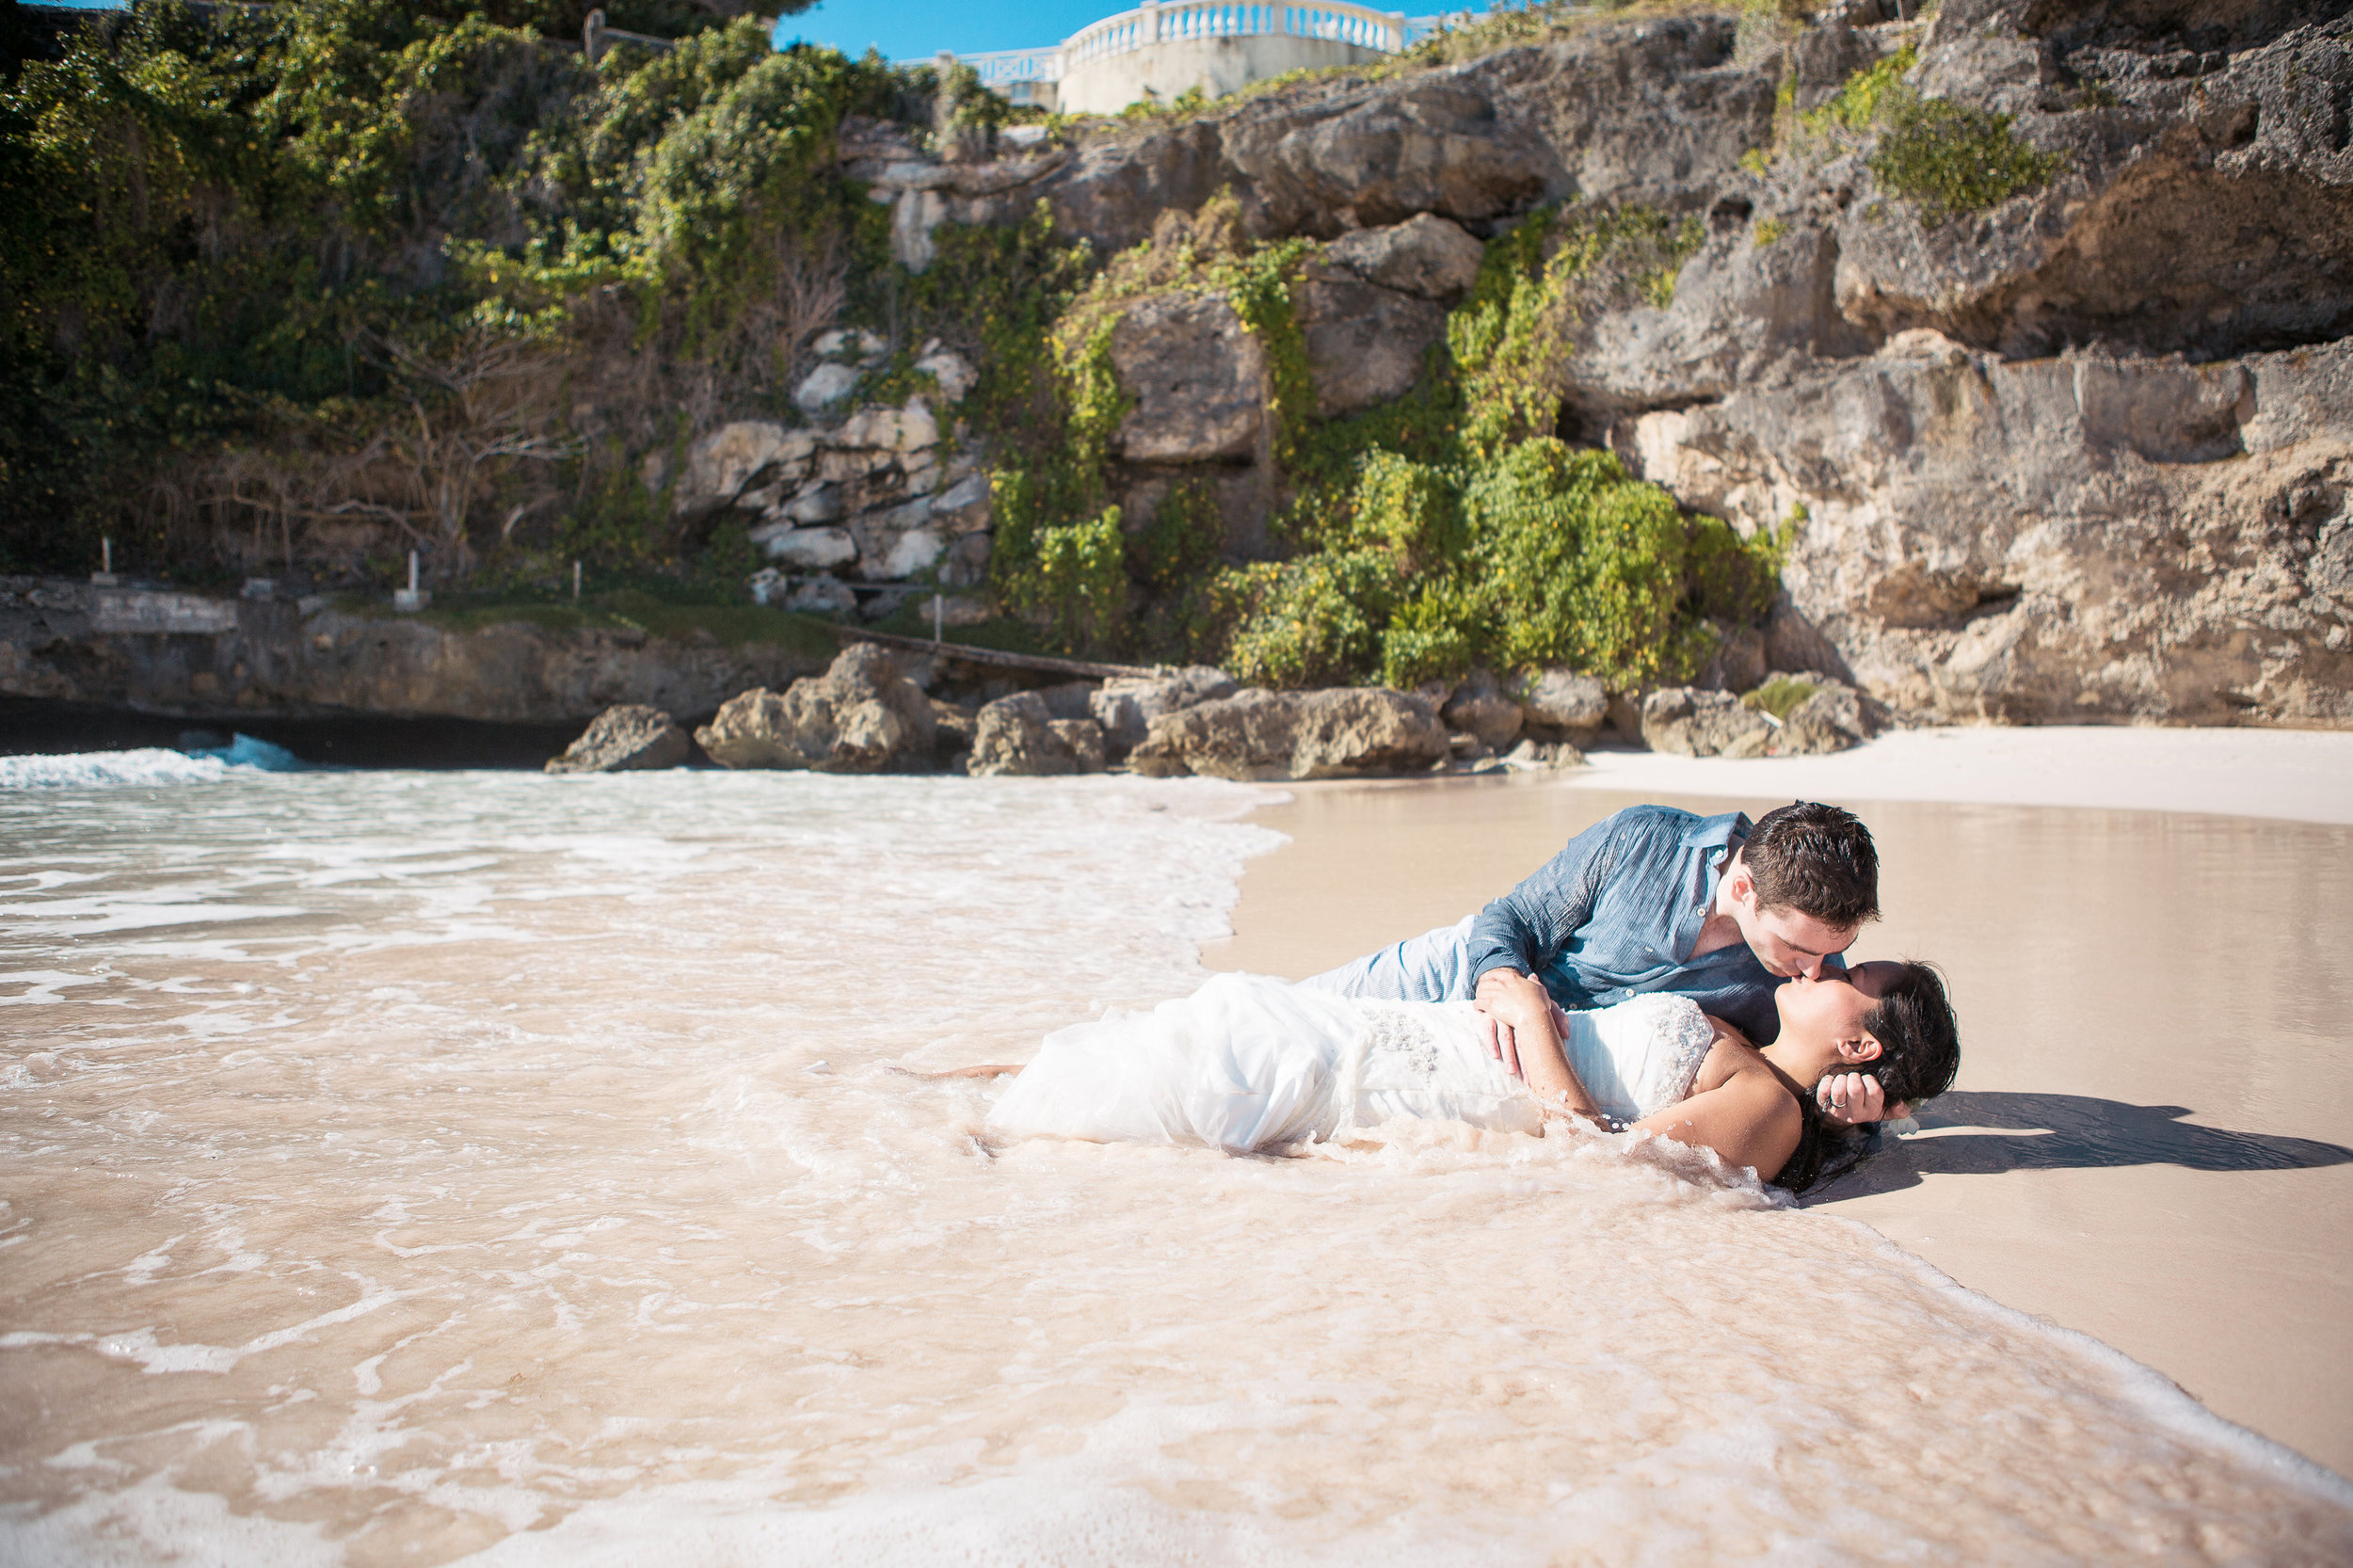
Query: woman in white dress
{"type": "Point", "coordinates": [1247, 1063]}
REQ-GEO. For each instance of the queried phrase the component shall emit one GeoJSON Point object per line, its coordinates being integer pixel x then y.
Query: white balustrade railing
{"type": "Point", "coordinates": [1016, 65]}
{"type": "Point", "coordinates": [1337, 21]}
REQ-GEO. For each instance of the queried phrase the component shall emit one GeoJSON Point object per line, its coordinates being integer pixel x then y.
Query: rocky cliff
{"type": "Point", "coordinates": [2013, 338]}
{"type": "Point", "coordinates": [2027, 325]}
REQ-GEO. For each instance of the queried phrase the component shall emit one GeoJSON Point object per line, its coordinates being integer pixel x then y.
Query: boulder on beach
{"type": "Point", "coordinates": [1349, 731]}
{"type": "Point", "coordinates": [1692, 723]}
{"type": "Point", "coordinates": [623, 737]}
{"type": "Point", "coordinates": [1479, 706]}
{"type": "Point", "coordinates": [861, 716]}
{"type": "Point", "coordinates": [1126, 706]}
{"type": "Point", "coordinates": [1559, 702]}
{"type": "Point", "coordinates": [1790, 715]}
{"type": "Point", "coordinates": [1020, 737]}
{"type": "Point", "coordinates": [1829, 717]}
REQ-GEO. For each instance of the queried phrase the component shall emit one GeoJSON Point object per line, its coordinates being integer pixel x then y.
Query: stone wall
{"type": "Point", "coordinates": [200, 657]}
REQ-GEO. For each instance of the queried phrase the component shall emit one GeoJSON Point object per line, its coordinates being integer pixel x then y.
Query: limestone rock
{"type": "Point", "coordinates": [2205, 206]}
{"type": "Point", "coordinates": [1069, 699]}
{"type": "Point", "coordinates": [1018, 736]}
{"type": "Point", "coordinates": [1544, 754]}
{"type": "Point", "coordinates": [1426, 255]}
{"type": "Point", "coordinates": [2127, 523]}
{"type": "Point", "coordinates": [722, 465]}
{"type": "Point", "coordinates": [810, 549]}
{"type": "Point", "coordinates": [861, 716]}
{"type": "Point", "coordinates": [822, 595]}
{"type": "Point", "coordinates": [1083, 740]}
{"type": "Point", "coordinates": [954, 372]}
{"type": "Point", "coordinates": [1560, 701]}
{"type": "Point", "coordinates": [1480, 707]}
{"type": "Point", "coordinates": [816, 502]}
{"type": "Point", "coordinates": [622, 737]}
{"type": "Point", "coordinates": [1198, 380]}
{"type": "Point", "coordinates": [1655, 112]}
{"type": "Point", "coordinates": [1364, 344]}
{"type": "Point", "coordinates": [1837, 716]}
{"type": "Point", "coordinates": [1692, 723]}
{"type": "Point", "coordinates": [826, 386]}
{"type": "Point", "coordinates": [1126, 706]}
{"type": "Point", "coordinates": [853, 343]}
{"type": "Point", "coordinates": [1257, 734]}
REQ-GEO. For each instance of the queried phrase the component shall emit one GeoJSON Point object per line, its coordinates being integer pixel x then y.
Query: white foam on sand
{"type": "Point", "coordinates": [2296, 774]}
{"type": "Point", "coordinates": [494, 1206]}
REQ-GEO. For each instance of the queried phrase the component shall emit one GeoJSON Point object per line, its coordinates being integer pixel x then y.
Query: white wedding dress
{"type": "Point", "coordinates": [1249, 1063]}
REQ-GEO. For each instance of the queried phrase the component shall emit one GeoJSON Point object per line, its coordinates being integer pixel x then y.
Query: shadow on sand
{"type": "Point", "coordinates": [2065, 1132]}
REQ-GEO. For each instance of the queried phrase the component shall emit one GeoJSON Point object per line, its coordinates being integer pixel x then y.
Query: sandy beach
{"type": "Point", "coordinates": [2144, 929]}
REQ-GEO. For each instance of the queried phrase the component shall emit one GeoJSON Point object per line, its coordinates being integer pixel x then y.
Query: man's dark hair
{"type": "Point", "coordinates": [1919, 1043]}
{"type": "Point", "coordinates": [1817, 860]}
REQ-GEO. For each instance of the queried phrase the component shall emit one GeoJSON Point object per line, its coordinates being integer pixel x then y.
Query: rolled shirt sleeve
{"type": "Point", "coordinates": [1527, 928]}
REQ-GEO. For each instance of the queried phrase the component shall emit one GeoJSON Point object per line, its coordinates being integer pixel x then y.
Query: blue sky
{"type": "Point", "coordinates": [915, 30]}
{"type": "Point", "coordinates": [918, 29]}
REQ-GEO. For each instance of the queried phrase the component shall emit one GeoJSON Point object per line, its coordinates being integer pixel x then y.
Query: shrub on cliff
{"type": "Point", "coordinates": [254, 260]}
{"type": "Point", "coordinates": [1445, 530]}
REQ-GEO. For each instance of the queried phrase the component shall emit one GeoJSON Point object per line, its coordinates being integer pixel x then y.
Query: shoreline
{"type": "Point", "coordinates": [2286, 775]}
{"type": "Point", "coordinates": [2147, 1142]}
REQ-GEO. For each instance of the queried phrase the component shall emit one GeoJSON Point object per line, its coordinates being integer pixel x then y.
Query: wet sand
{"type": "Point", "coordinates": [2152, 1136]}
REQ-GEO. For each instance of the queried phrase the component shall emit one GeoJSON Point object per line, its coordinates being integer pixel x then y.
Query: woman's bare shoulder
{"type": "Point", "coordinates": [1746, 1081]}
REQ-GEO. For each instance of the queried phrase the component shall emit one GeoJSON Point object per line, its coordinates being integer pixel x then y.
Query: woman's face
{"type": "Point", "coordinates": [1835, 1006]}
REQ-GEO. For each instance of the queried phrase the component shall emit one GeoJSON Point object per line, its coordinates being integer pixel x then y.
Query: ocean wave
{"type": "Point", "coordinates": [146, 766]}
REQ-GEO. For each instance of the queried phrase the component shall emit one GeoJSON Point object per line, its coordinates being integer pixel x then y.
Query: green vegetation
{"type": "Point", "coordinates": [1952, 158]}
{"type": "Point", "coordinates": [1780, 695]}
{"type": "Point", "coordinates": [622, 609]}
{"type": "Point", "coordinates": [332, 280]}
{"type": "Point", "coordinates": [1866, 95]}
{"type": "Point", "coordinates": [1948, 157]}
{"type": "Point", "coordinates": [1447, 529]}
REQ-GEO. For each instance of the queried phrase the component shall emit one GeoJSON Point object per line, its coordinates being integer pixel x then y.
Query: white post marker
{"type": "Point", "coordinates": [104, 576]}
{"type": "Point", "coordinates": [575, 582]}
{"type": "Point", "coordinates": [936, 618]}
{"type": "Point", "coordinates": [411, 599]}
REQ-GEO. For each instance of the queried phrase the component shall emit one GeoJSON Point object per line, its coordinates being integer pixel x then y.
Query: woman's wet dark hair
{"type": "Point", "coordinates": [1919, 1042]}
{"type": "Point", "coordinates": [1919, 1055]}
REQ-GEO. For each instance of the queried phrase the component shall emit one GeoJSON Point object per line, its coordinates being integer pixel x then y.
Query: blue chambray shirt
{"type": "Point", "coordinates": [1617, 912]}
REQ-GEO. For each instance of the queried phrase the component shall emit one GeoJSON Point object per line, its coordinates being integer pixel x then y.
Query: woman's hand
{"type": "Point", "coordinates": [1855, 1099]}
{"type": "Point", "coordinates": [1527, 1039]}
{"type": "Point", "coordinates": [1508, 1002]}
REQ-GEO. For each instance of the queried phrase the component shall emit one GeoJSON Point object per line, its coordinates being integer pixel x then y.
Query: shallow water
{"type": "Point", "coordinates": [400, 1167]}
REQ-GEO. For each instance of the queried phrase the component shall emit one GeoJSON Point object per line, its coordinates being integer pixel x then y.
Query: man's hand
{"type": "Point", "coordinates": [1855, 1099]}
{"type": "Point", "coordinates": [1509, 1004]}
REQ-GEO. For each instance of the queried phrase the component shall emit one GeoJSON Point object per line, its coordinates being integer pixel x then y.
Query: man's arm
{"type": "Point", "coordinates": [1527, 928]}
{"type": "Point", "coordinates": [1519, 935]}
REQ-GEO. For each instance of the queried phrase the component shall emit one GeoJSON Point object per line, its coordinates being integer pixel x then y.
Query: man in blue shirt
{"type": "Point", "coordinates": [1653, 899]}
